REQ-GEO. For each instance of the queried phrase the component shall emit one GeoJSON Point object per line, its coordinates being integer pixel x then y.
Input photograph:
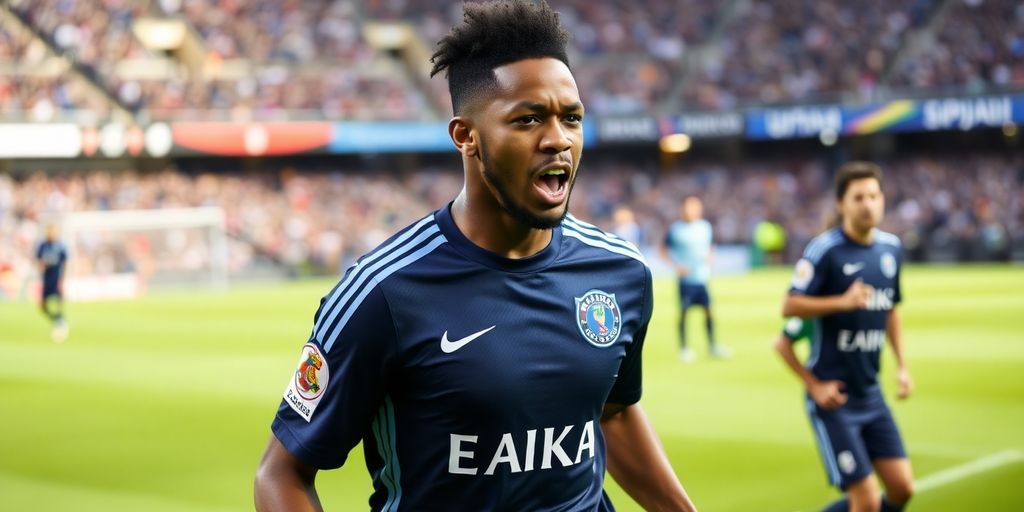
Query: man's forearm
{"type": "Point", "coordinates": [282, 483]}
{"type": "Point", "coordinates": [805, 306]}
{"type": "Point", "coordinates": [638, 462]}
{"type": "Point", "coordinates": [785, 350]}
{"type": "Point", "coordinates": [894, 330]}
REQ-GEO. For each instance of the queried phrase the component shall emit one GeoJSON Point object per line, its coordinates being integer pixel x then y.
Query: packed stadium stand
{"type": "Point", "coordinates": [140, 62]}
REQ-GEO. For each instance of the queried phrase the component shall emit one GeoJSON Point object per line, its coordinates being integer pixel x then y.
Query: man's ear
{"type": "Point", "coordinates": [460, 129]}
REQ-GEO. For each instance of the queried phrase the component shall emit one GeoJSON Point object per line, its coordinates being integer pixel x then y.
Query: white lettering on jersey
{"type": "Point", "coordinates": [460, 459]}
{"type": "Point", "coordinates": [455, 453]}
{"type": "Point", "coordinates": [861, 341]}
{"type": "Point", "coordinates": [506, 453]}
{"type": "Point", "coordinates": [554, 447]}
{"type": "Point", "coordinates": [586, 442]}
{"type": "Point", "coordinates": [881, 299]}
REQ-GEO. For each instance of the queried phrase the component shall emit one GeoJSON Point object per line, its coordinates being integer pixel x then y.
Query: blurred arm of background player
{"type": "Point", "coordinates": [638, 462]}
{"type": "Point", "coordinates": [827, 394]}
{"type": "Point", "coordinates": [894, 331]}
{"type": "Point", "coordinates": [806, 306]}
{"type": "Point", "coordinates": [681, 270]}
{"type": "Point", "coordinates": [283, 482]}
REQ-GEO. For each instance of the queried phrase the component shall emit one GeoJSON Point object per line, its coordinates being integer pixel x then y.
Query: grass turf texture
{"type": "Point", "coordinates": [165, 403]}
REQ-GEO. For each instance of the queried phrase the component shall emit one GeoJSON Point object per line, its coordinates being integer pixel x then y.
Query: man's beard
{"type": "Point", "coordinates": [515, 209]}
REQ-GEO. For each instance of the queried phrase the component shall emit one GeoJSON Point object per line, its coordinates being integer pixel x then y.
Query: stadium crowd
{"type": "Point", "coordinates": [979, 45]}
{"type": "Point", "coordinates": [311, 57]}
{"type": "Point", "coordinates": [319, 220]}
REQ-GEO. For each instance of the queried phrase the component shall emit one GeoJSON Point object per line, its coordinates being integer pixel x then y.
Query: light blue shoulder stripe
{"type": "Point", "coordinates": [595, 233]}
{"type": "Point", "coordinates": [357, 274]}
{"type": "Point", "coordinates": [887, 238]}
{"type": "Point", "coordinates": [601, 244]}
{"type": "Point", "coordinates": [328, 338]}
{"type": "Point", "coordinates": [592, 230]}
{"type": "Point", "coordinates": [821, 244]}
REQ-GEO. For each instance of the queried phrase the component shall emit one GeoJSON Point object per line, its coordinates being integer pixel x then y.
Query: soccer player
{"type": "Point", "coordinates": [489, 355]}
{"type": "Point", "coordinates": [688, 248]}
{"type": "Point", "coordinates": [848, 285]}
{"type": "Point", "coordinates": [51, 256]}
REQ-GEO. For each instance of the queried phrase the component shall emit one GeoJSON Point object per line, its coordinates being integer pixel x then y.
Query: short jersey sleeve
{"type": "Point", "coordinates": [340, 379]}
{"type": "Point", "coordinates": [628, 384]}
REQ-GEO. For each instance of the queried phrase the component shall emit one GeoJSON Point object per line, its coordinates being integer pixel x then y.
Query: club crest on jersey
{"type": "Point", "coordinates": [888, 264]}
{"type": "Point", "coordinates": [598, 317]}
{"type": "Point", "coordinates": [307, 386]}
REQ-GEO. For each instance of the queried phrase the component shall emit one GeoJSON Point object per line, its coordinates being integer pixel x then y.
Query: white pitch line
{"type": "Point", "coordinates": [967, 469]}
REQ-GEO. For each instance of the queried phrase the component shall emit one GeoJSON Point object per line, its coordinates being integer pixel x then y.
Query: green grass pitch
{"type": "Point", "coordinates": [164, 404]}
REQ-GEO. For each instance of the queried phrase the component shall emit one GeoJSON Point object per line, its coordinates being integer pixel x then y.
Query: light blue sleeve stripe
{"type": "Point", "coordinates": [377, 278]}
{"type": "Point", "coordinates": [357, 270]}
{"type": "Point", "coordinates": [364, 274]}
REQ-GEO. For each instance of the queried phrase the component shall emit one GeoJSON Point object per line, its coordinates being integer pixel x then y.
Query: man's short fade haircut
{"type": "Point", "coordinates": [853, 171]}
{"type": "Point", "coordinates": [491, 35]}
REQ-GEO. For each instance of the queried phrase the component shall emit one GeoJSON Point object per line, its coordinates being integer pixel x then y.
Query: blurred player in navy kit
{"type": "Point", "coordinates": [847, 285]}
{"type": "Point", "coordinates": [51, 256]}
{"type": "Point", "coordinates": [688, 247]}
{"type": "Point", "coordinates": [489, 355]}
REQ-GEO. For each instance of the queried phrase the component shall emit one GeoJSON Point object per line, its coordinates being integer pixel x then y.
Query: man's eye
{"type": "Point", "coordinates": [527, 120]}
{"type": "Point", "coordinates": [574, 118]}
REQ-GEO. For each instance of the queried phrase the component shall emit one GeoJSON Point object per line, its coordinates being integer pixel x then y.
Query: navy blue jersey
{"type": "Point", "coordinates": [52, 255]}
{"type": "Point", "coordinates": [846, 346]}
{"type": "Point", "coordinates": [474, 381]}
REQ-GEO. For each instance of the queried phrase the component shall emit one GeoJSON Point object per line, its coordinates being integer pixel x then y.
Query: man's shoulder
{"type": "Point", "coordinates": [884, 238]}
{"type": "Point", "coordinates": [823, 244]}
{"type": "Point", "coordinates": [401, 249]}
{"type": "Point", "coordinates": [594, 241]}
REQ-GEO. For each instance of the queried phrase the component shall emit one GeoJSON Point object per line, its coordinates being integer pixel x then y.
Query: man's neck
{"type": "Point", "coordinates": [494, 229]}
{"type": "Point", "coordinates": [863, 237]}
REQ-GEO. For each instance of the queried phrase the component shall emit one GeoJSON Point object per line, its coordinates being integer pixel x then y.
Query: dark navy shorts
{"type": "Point", "coordinates": [51, 290]}
{"type": "Point", "coordinates": [693, 295]}
{"type": "Point", "coordinates": [850, 437]}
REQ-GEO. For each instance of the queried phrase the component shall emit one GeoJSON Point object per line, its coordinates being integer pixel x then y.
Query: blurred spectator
{"type": "Point", "coordinates": [799, 50]}
{"type": "Point", "coordinates": [316, 221]}
{"type": "Point", "coordinates": [980, 44]}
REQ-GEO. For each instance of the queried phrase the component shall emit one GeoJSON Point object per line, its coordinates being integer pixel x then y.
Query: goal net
{"type": "Point", "coordinates": [120, 253]}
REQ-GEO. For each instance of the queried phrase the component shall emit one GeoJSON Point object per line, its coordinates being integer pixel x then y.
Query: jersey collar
{"type": "Point", "coordinates": [473, 252]}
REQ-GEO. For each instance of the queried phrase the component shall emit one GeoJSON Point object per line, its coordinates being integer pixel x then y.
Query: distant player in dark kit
{"type": "Point", "coordinates": [688, 247]}
{"type": "Point", "coordinates": [488, 356]}
{"type": "Point", "coordinates": [847, 285]}
{"type": "Point", "coordinates": [51, 256]}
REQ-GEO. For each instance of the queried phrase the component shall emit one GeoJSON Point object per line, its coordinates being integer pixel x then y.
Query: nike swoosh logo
{"type": "Point", "coordinates": [850, 269]}
{"type": "Point", "coordinates": [451, 346]}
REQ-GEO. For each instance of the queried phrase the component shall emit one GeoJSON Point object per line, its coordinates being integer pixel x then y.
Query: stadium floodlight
{"type": "Point", "coordinates": [828, 137]}
{"type": "Point", "coordinates": [675, 143]}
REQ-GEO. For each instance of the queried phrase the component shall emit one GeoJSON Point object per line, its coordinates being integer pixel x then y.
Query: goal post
{"type": "Point", "coordinates": [120, 253]}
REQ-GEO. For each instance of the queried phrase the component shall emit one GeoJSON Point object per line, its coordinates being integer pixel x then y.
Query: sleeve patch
{"type": "Point", "coordinates": [803, 274]}
{"type": "Point", "coordinates": [306, 387]}
{"type": "Point", "coordinates": [793, 327]}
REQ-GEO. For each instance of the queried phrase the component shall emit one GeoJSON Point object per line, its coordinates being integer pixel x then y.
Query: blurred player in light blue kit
{"type": "Point", "coordinates": [688, 247]}
{"type": "Point", "coordinates": [51, 256]}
